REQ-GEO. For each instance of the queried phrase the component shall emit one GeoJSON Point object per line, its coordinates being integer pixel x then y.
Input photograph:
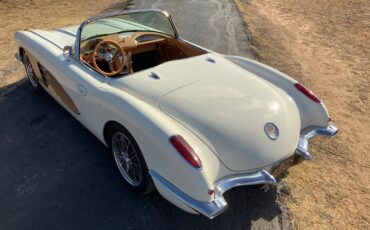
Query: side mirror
{"type": "Point", "coordinates": [67, 52]}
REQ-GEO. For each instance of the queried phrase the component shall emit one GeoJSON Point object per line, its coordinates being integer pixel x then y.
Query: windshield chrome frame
{"type": "Point", "coordinates": [112, 14]}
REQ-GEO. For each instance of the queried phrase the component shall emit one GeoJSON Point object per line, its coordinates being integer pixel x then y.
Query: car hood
{"type": "Point", "coordinates": [60, 37]}
{"type": "Point", "coordinates": [225, 106]}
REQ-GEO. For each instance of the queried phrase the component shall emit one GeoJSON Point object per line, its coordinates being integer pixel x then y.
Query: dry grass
{"type": "Point", "coordinates": [40, 14]}
{"type": "Point", "coordinates": [326, 45]}
{"type": "Point", "coordinates": [323, 43]}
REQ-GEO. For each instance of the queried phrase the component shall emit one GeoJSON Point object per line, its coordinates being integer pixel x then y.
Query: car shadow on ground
{"type": "Point", "coordinates": [56, 175]}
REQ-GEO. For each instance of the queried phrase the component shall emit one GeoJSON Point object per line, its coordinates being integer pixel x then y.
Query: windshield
{"type": "Point", "coordinates": [139, 21]}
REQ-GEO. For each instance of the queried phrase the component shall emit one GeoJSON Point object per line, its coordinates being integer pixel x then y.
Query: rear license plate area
{"type": "Point", "coordinates": [284, 165]}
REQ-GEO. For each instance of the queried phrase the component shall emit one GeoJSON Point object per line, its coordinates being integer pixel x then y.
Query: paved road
{"type": "Point", "coordinates": [54, 174]}
{"type": "Point", "coordinates": [214, 24]}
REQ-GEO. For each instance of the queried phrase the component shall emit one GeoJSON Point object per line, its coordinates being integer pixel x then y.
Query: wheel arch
{"type": "Point", "coordinates": [107, 126]}
{"type": "Point", "coordinates": [21, 52]}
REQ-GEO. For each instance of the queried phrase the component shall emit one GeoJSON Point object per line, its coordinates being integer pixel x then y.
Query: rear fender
{"type": "Point", "coordinates": [312, 114]}
{"type": "Point", "coordinates": [152, 129]}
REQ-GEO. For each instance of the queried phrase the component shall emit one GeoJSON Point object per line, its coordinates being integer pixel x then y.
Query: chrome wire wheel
{"type": "Point", "coordinates": [30, 73]}
{"type": "Point", "coordinates": [127, 159]}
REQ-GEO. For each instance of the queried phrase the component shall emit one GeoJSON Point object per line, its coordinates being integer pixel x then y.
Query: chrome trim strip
{"type": "Point", "coordinates": [302, 149]}
{"type": "Point", "coordinates": [41, 36]}
{"type": "Point", "coordinates": [219, 204]}
{"type": "Point", "coordinates": [196, 46]}
{"type": "Point", "coordinates": [65, 31]}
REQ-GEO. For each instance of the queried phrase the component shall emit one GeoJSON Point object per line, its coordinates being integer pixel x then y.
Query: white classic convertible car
{"type": "Point", "coordinates": [185, 120]}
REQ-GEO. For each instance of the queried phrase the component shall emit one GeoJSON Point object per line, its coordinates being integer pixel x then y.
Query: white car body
{"type": "Point", "coordinates": [219, 104]}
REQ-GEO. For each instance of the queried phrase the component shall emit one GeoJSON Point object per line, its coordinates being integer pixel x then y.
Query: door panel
{"type": "Point", "coordinates": [84, 87]}
{"type": "Point", "coordinates": [57, 90]}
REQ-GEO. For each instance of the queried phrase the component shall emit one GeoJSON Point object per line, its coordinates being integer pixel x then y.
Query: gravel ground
{"type": "Point", "coordinates": [324, 44]}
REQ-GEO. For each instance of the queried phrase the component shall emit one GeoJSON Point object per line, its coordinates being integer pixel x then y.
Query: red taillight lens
{"type": "Point", "coordinates": [186, 151]}
{"type": "Point", "coordinates": [307, 92]}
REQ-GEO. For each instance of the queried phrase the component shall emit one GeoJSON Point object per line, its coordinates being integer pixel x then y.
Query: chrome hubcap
{"type": "Point", "coordinates": [127, 159]}
{"type": "Point", "coordinates": [30, 73]}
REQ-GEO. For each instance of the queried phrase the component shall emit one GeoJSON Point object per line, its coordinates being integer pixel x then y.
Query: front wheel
{"type": "Point", "coordinates": [31, 73]}
{"type": "Point", "coordinates": [129, 160]}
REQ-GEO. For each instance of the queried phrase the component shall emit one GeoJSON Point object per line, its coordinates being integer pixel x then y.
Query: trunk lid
{"type": "Point", "coordinates": [228, 111]}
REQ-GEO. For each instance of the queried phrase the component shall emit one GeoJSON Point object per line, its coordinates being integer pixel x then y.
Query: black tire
{"type": "Point", "coordinates": [146, 184]}
{"type": "Point", "coordinates": [31, 76]}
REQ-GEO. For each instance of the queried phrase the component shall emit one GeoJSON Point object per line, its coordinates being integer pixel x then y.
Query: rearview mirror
{"type": "Point", "coordinates": [67, 52]}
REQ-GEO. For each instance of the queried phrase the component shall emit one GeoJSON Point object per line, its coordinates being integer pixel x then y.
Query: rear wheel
{"type": "Point", "coordinates": [30, 73]}
{"type": "Point", "coordinates": [129, 160]}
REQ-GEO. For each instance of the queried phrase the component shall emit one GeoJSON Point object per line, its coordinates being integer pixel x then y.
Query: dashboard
{"type": "Point", "coordinates": [142, 49]}
{"type": "Point", "coordinates": [136, 42]}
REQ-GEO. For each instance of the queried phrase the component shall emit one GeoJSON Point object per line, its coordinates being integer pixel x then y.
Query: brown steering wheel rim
{"type": "Point", "coordinates": [120, 52]}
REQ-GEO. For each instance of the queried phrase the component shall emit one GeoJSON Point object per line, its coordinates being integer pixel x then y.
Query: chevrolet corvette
{"type": "Point", "coordinates": [177, 117]}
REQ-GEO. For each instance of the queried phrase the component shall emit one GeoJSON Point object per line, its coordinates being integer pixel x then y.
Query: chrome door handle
{"type": "Point", "coordinates": [82, 90]}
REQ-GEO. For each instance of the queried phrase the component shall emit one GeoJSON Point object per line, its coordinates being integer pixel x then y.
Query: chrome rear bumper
{"type": "Point", "coordinates": [262, 177]}
{"type": "Point", "coordinates": [302, 149]}
{"type": "Point", "coordinates": [219, 204]}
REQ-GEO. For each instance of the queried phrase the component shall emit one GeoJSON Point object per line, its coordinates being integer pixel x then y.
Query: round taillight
{"type": "Point", "coordinates": [186, 151]}
{"type": "Point", "coordinates": [308, 93]}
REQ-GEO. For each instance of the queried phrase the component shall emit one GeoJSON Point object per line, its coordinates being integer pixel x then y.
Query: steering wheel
{"type": "Point", "coordinates": [112, 53]}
